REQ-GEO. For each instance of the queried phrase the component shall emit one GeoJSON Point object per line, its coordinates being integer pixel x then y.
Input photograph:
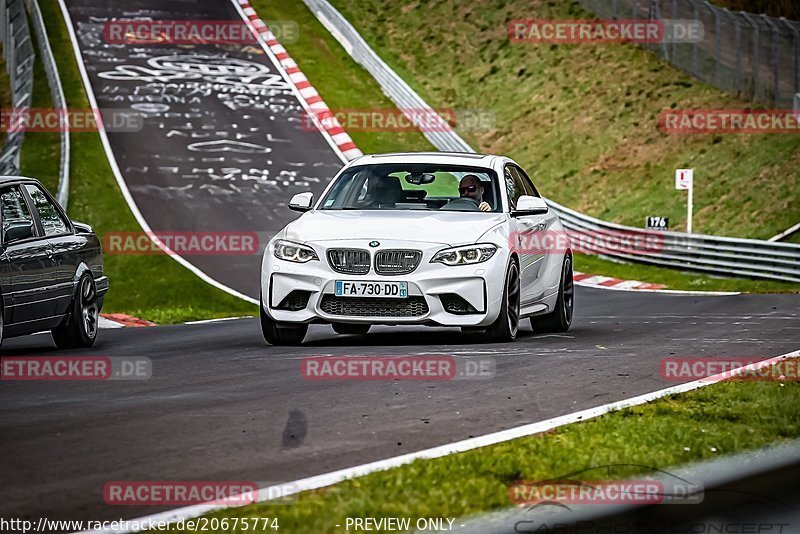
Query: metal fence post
{"type": "Point", "coordinates": [776, 58]}
{"type": "Point", "coordinates": [717, 41]}
{"type": "Point", "coordinates": [738, 37]}
{"type": "Point", "coordinates": [795, 29]}
{"type": "Point", "coordinates": [756, 51]}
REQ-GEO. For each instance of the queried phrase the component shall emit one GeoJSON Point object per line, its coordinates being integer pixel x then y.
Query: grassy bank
{"type": "Point", "coordinates": [584, 118]}
{"type": "Point", "coordinates": [152, 287]}
{"type": "Point", "coordinates": [717, 420]}
{"type": "Point", "coordinates": [346, 85]}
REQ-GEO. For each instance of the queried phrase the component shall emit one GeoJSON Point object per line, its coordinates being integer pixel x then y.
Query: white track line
{"type": "Point", "coordinates": [118, 175]}
{"type": "Point", "coordinates": [279, 66]}
{"type": "Point", "coordinates": [328, 479]}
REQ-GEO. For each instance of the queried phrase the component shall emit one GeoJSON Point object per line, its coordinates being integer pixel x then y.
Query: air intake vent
{"type": "Point", "coordinates": [455, 304]}
{"type": "Point", "coordinates": [414, 306]}
{"type": "Point", "coordinates": [294, 301]}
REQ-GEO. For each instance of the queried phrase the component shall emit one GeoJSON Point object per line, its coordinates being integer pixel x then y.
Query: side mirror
{"type": "Point", "coordinates": [528, 205]}
{"type": "Point", "coordinates": [17, 231]}
{"type": "Point", "coordinates": [301, 201]}
{"type": "Point", "coordinates": [82, 228]}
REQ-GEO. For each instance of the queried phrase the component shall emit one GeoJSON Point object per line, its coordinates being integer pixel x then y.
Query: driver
{"type": "Point", "coordinates": [471, 188]}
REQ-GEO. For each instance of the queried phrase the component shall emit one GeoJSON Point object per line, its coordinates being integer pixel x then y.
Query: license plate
{"type": "Point", "coordinates": [348, 288]}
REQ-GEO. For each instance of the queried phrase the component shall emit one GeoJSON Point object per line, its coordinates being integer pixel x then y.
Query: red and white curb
{"type": "Point", "coordinates": [120, 320]}
{"type": "Point", "coordinates": [304, 87]}
{"type": "Point", "coordinates": [593, 280]}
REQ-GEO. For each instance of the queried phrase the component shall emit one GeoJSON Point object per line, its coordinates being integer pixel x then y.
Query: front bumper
{"type": "Point", "coordinates": [429, 288]}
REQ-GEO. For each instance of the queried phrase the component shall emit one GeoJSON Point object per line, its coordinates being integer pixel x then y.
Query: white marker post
{"type": "Point", "coordinates": [684, 181]}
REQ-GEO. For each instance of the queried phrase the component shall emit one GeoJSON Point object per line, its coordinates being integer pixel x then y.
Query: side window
{"type": "Point", "coordinates": [14, 207]}
{"type": "Point", "coordinates": [52, 222]}
{"type": "Point", "coordinates": [515, 187]}
{"type": "Point", "coordinates": [526, 182]}
{"type": "Point", "coordinates": [15, 210]}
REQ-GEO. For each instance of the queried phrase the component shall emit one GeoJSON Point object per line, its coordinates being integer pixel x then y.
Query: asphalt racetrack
{"type": "Point", "coordinates": [223, 405]}
{"type": "Point", "coordinates": [222, 146]}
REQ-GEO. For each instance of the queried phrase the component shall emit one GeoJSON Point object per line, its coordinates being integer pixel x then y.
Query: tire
{"type": "Point", "coordinates": [353, 329]}
{"type": "Point", "coordinates": [281, 334]}
{"type": "Point", "coordinates": [560, 319]}
{"type": "Point", "coordinates": [79, 329]}
{"type": "Point", "coordinates": [506, 326]}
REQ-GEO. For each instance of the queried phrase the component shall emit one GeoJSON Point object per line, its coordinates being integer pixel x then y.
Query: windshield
{"type": "Point", "coordinates": [431, 187]}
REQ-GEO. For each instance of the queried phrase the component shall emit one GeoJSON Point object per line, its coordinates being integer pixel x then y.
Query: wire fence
{"type": "Point", "coordinates": [754, 56]}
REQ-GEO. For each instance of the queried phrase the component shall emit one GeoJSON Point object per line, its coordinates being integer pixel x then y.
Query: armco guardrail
{"type": "Point", "coordinates": [57, 96]}
{"type": "Point", "coordinates": [19, 57]}
{"type": "Point", "coordinates": [710, 254]}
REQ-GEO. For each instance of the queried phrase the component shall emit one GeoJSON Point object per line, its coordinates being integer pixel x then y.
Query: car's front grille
{"type": "Point", "coordinates": [349, 260]}
{"type": "Point", "coordinates": [414, 306]}
{"type": "Point", "coordinates": [389, 262]}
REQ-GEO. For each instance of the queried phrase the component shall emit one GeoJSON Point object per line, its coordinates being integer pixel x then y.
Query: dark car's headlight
{"type": "Point", "coordinates": [466, 255]}
{"type": "Point", "coordinates": [289, 251]}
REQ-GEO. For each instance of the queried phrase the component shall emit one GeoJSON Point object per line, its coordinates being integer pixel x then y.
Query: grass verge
{"type": "Point", "coordinates": [680, 280]}
{"type": "Point", "coordinates": [342, 83]}
{"type": "Point", "coordinates": [717, 420]}
{"type": "Point", "coordinates": [156, 287]}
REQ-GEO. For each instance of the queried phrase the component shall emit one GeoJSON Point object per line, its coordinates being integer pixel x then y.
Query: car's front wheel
{"type": "Point", "coordinates": [79, 329]}
{"type": "Point", "coordinates": [277, 333]}
{"type": "Point", "coordinates": [560, 319]}
{"type": "Point", "coordinates": [505, 328]}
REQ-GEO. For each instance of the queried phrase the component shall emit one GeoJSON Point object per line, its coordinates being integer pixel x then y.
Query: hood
{"type": "Point", "coordinates": [448, 228]}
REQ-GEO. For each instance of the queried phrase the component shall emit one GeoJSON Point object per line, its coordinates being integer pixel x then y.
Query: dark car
{"type": "Point", "coordinates": [51, 268]}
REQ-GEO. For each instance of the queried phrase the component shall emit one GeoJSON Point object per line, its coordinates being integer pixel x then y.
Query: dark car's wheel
{"type": "Point", "coordinates": [353, 329]}
{"type": "Point", "coordinates": [79, 329]}
{"type": "Point", "coordinates": [507, 324]}
{"type": "Point", "coordinates": [560, 319]}
{"type": "Point", "coordinates": [277, 333]}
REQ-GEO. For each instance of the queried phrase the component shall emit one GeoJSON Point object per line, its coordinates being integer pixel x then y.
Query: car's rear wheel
{"type": "Point", "coordinates": [278, 333]}
{"type": "Point", "coordinates": [560, 319]}
{"type": "Point", "coordinates": [79, 329]}
{"type": "Point", "coordinates": [353, 329]}
{"type": "Point", "coordinates": [505, 328]}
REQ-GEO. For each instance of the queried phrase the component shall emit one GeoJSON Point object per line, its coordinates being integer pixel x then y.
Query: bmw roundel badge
{"type": "Point", "coordinates": [374, 244]}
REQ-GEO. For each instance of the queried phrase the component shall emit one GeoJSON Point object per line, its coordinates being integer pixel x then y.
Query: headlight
{"type": "Point", "coordinates": [286, 250]}
{"type": "Point", "coordinates": [466, 255]}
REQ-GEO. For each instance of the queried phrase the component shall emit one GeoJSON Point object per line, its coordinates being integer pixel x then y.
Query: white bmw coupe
{"type": "Point", "coordinates": [441, 239]}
